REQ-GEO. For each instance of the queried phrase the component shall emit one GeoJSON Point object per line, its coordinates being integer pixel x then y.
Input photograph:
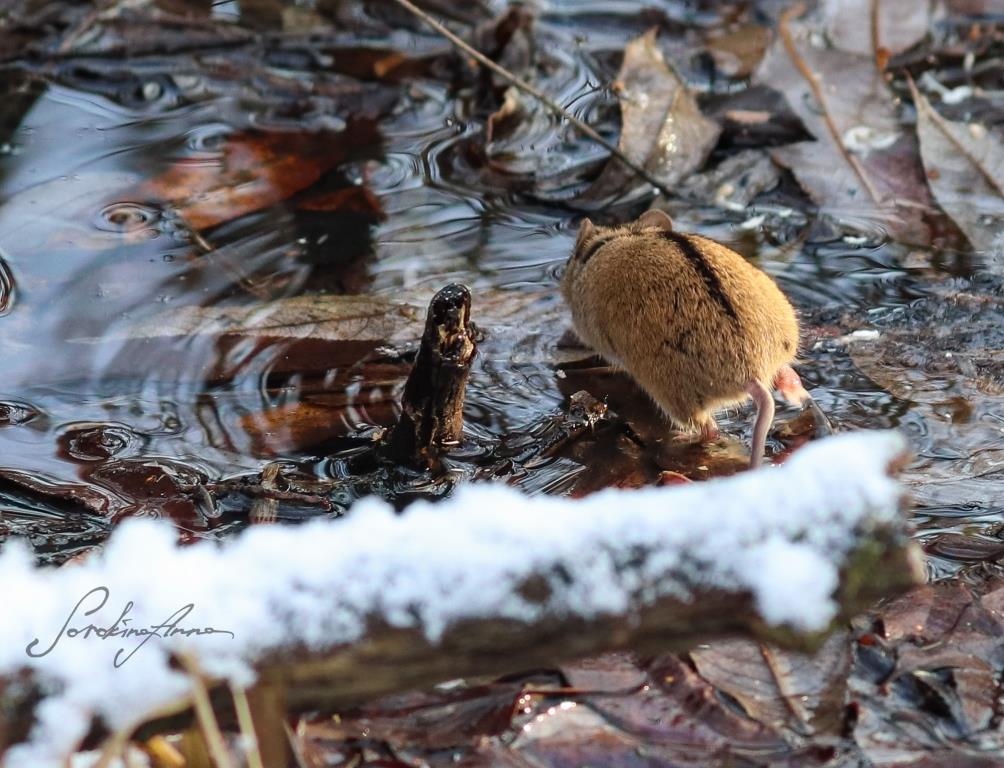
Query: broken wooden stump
{"type": "Point", "coordinates": [432, 407]}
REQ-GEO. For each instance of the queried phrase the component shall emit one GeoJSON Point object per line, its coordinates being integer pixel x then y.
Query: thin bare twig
{"type": "Point", "coordinates": [543, 98]}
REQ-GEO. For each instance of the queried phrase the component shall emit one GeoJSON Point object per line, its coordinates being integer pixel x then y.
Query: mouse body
{"type": "Point", "coordinates": [697, 326]}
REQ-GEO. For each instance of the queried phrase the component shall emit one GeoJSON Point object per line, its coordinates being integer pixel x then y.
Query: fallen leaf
{"type": "Point", "coordinates": [609, 673]}
{"type": "Point", "coordinates": [354, 200]}
{"type": "Point", "coordinates": [663, 129]}
{"type": "Point", "coordinates": [681, 710]}
{"type": "Point", "coordinates": [862, 169]}
{"type": "Point", "coordinates": [754, 118]}
{"type": "Point", "coordinates": [964, 547]}
{"type": "Point", "coordinates": [965, 170]}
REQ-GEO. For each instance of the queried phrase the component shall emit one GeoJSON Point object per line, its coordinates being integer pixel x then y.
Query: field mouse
{"type": "Point", "coordinates": [697, 326]}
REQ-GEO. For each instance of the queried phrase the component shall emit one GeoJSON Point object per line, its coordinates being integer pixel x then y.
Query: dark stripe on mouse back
{"type": "Point", "coordinates": [595, 245]}
{"type": "Point", "coordinates": [697, 260]}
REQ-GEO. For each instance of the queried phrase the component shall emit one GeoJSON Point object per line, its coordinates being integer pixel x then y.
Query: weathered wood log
{"type": "Point", "coordinates": [432, 407]}
{"type": "Point", "coordinates": [333, 613]}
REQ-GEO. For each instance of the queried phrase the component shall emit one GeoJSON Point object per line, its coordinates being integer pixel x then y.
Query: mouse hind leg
{"type": "Point", "coordinates": [764, 400]}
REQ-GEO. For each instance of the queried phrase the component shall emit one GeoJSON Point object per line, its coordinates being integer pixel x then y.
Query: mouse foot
{"type": "Point", "coordinates": [707, 432]}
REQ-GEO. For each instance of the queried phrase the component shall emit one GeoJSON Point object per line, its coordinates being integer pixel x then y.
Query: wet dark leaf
{"type": "Point", "coordinates": [679, 709]}
{"type": "Point", "coordinates": [49, 492]}
{"type": "Point", "coordinates": [803, 693]}
{"type": "Point", "coordinates": [610, 673]}
{"type": "Point", "coordinates": [427, 721]}
{"type": "Point", "coordinates": [755, 117]}
{"type": "Point", "coordinates": [964, 547]}
{"type": "Point", "coordinates": [943, 693]}
{"type": "Point", "coordinates": [735, 181]}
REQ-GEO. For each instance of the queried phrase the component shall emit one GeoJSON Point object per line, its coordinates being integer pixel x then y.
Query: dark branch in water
{"type": "Point", "coordinates": [432, 407]}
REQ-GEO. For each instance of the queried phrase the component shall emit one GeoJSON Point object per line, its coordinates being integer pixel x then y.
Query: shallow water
{"type": "Point", "coordinates": [96, 426]}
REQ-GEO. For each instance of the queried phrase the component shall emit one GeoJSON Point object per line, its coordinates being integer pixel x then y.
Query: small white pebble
{"type": "Point", "coordinates": [862, 334]}
{"type": "Point", "coordinates": [862, 139]}
{"type": "Point", "coordinates": [754, 222]}
{"type": "Point", "coordinates": [957, 95]}
{"type": "Point", "coordinates": [865, 334]}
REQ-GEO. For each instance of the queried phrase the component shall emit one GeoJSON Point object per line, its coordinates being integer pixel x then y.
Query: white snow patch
{"type": "Point", "coordinates": [780, 533]}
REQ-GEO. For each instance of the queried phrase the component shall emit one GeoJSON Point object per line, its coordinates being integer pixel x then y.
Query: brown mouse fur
{"type": "Point", "coordinates": [695, 324]}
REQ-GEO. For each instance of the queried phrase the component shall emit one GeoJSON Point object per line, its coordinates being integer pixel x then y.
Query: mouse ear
{"type": "Point", "coordinates": [656, 218]}
{"type": "Point", "coordinates": [586, 230]}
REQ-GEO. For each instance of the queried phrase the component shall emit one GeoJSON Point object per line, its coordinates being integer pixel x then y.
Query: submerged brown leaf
{"type": "Point", "coordinates": [334, 318]}
{"type": "Point", "coordinates": [663, 129]}
{"type": "Point", "coordinates": [254, 170]}
{"type": "Point", "coordinates": [965, 169]}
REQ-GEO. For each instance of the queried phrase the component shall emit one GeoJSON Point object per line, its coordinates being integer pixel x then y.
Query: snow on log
{"type": "Point", "coordinates": [486, 582]}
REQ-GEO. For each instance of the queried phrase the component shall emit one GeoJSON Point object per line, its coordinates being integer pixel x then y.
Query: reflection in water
{"type": "Point", "coordinates": [126, 196]}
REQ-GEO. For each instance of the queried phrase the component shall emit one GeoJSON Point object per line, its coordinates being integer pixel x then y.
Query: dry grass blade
{"type": "Point", "coordinates": [246, 723]}
{"type": "Point", "coordinates": [204, 713]}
